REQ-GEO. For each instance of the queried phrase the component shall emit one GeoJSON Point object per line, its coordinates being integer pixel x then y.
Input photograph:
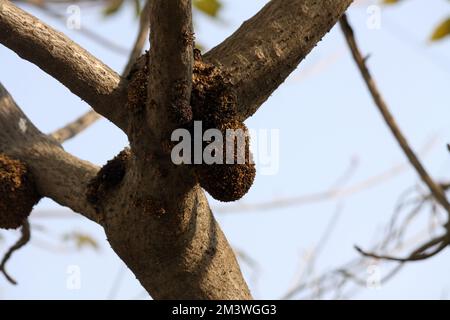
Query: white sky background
{"type": "Point", "coordinates": [326, 120]}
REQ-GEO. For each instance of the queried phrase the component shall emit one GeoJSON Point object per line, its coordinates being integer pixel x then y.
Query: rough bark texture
{"type": "Point", "coordinates": [58, 175]}
{"type": "Point", "coordinates": [172, 241]}
{"type": "Point", "coordinates": [155, 214]}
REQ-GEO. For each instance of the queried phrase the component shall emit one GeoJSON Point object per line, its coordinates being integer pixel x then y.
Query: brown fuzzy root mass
{"type": "Point", "coordinates": [137, 86]}
{"type": "Point", "coordinates": [213, 101]}
{"type": "Point", "coordinates": [225, 182]}
{"type": "Point", "coordinates": [109, 176]}
{"type": "Point", "coordinates": [18, 193]}
{"type": "Point", "coordinates": [229, 182]}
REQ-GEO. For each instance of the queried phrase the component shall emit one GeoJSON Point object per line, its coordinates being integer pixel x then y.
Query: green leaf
{"type": "Point", "coordinates": [112, 7]}
{"type": "Point", "coordinates": [441, 31]}
{"type": "Point", "coordinates": [137, 7]}
{"type": "Point", "coordinates": [208, 7]}
{"type": "Point", "coordinates": [81, 240]}
{"type": "Point", "coordinates": [390, 1]}
{"type": "Point", "coordinates": [199, 46]}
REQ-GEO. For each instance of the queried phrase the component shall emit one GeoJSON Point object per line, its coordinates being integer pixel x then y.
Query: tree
{"type": "Point", "coordinates": [154, 213]}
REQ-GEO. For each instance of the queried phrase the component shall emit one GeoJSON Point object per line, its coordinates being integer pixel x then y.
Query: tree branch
{"type": "Point", "coordinates": [46, 7]}
{"type": "Point", "coordinates": [157, 218]}
{"type": "Point", "coordinates": [332, 193]}
{"type": "Point", "coordinates": [435, 189]}
{"type": "Point", "coordinates": [439, 243]}
{"type": "Point", "coordinates": [73, 128]}
{"type": "Point", "coordinates": [141, 38]}
{"type": "Point", "coordinates": [268, 47]}
{"type": "Point", "coordinates": [60, 57]}
{"type": "Point", "coordinates": [85, 121]}
{"type": "Point", "coordinates": [171, 60]}
{"type": "Point", "coordinates": [58, 175]}
{"type": "Point", "coordinates": [168, 237]}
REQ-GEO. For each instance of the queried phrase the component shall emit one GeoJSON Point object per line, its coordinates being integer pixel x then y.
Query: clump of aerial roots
{"type": "Point", "coordinates": [18, 193]}
{"type": "Point", "coordinates": [214, 104]}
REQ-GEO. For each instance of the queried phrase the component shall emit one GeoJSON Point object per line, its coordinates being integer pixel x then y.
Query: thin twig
{"type": "Point", "coordinates": [332, 193]}
{"type": "Point", "coordinates": [141, 38]}
{"type": "Point", "coordinates": [60, 57]}
{"type": "Point", "coordinates": [252, 264]}
{"type": "Point", "coordinates": [336, 279]}
{"type": "Point", "coordinates": [24, 239]}
{"type": "Point", "coordinates": [73, 128]}
{"type": "Point", "coordinates": [350, 272]}
{"type": "Point", "coordinates": [350, 276]}
{"type": "Point", "coordinates": [117, 283]}
{"type": "Point", "coordinates": [77, 126]}
{"type": "Point", "coordinates": [435, 189]}
{"type": "Point", "coordinates": [317, 250]}
{"type": "Point", "coordinates": [98, 38]}
{"type": "Point", "coordinates": [419, 254]}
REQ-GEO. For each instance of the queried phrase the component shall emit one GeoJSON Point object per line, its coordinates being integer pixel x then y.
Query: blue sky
{"type": "Point", "coordinates": [326, 121]}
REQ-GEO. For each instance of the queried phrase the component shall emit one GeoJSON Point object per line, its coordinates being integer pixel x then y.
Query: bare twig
{"type": "Point", "coordinates": [141, 38]}
{"type": "Point", "coordinates": [67, 62]}
{"type": "Point", "coordinates": [73, 128]}
{"type": "Point", "coordinates": [333, 193]}
{"type": "Point", "coordinates": [350, 276]}
{"type": "Point", "coordinates": [310, 266]}
{"type": "Point", "coordinates": [340, 281]}
{"type": "Point", "coordinates": [58, 174]}
{"type": "Point", "coordinates": [24, 239]}
{"type": "Point", "coordinates": [255, 267]}
{"type": "Point", "coordinates": [94, 36]}
{"type": "Point", "coordinates": [349, 273]}
{"type": "Point", "coordinates": [117, 282]}
{"type": "Point", "coordinates": [435, 189]}
{"type": "Point", "coordinates": [420, 253]}
{"type": "Point", "coordinates": [85, 121]}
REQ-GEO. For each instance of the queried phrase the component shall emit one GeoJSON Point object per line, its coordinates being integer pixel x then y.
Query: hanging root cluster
{"type": "Point", "coordinates": [214, 104]}
{"type": "Point", "coordinates": [18, 193]}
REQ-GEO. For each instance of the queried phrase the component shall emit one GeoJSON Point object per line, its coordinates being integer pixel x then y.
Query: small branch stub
{"type": "Point", "coordinates": [109, 177]}
{"type": "Point", "coordinates": [18, 193]}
